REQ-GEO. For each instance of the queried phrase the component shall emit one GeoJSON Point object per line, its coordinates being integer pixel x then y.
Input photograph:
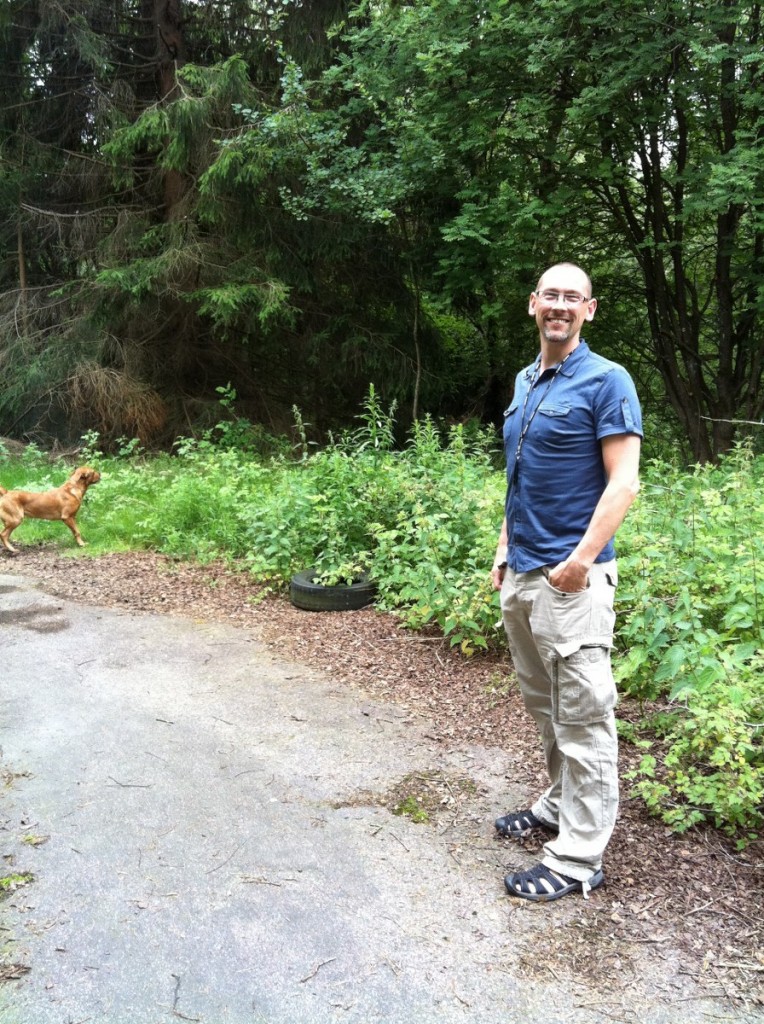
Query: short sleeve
{"type": "Point", "coordinates": [616, 408]}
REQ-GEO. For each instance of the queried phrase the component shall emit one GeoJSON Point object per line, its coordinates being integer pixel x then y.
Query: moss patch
{"type": "Point", "coordinates": [10, 883]}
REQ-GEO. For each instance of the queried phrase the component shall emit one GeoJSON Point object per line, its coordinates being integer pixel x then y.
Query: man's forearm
{"type": "Point", "coordinates": [501, 547]}
{"type": "Point", "coordinates": [621, 460]}
{"type": "Point", "coordinates": [500, 558]}
{"type": "Point", "coordinates": [608, 516]}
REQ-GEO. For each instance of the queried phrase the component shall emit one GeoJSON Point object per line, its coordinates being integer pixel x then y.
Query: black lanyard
{"type": "Point", "coordinates": [523, 425]}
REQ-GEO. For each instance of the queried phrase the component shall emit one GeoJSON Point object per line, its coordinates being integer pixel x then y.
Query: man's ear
{"type": "Point", "coordinates": [591, 309]}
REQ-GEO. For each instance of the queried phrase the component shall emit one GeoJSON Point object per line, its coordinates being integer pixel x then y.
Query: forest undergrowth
{"type": "Point", "coordinates": [422, 520]}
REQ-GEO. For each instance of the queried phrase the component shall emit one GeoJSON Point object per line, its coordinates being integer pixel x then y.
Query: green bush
{"type": "Point", "coordinates": [692, 607]}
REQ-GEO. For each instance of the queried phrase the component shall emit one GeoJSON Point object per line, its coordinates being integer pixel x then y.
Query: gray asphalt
{"type": "Point", "coordinates": [200, 821]}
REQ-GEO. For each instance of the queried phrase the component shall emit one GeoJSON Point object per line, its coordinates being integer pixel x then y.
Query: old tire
{"type": "Point", "coordinates": [306, 593]}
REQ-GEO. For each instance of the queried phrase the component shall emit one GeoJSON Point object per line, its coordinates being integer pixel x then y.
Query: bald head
{"type": "Point", "coordinates": [570, 270]}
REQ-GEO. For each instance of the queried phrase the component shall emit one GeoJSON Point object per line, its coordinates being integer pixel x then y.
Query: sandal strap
{"type": "Point", "coordinates": [542, 884]}
{"type": "Point", "coordinates": [526, 819]}
{"type": "Point", "coordinates": [517, 822]}
{"type": "Point", "coordinates": [538, 875]}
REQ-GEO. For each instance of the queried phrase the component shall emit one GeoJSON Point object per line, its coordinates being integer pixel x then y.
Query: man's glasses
{"type": "Point", "coordinates": [562, 298]}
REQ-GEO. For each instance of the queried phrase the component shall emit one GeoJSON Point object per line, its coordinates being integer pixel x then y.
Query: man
{"type": "Point", "coordinates": [572, 438]}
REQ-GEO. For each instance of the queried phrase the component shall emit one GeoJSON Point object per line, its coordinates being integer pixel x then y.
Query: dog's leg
{"type": "Point", "coordinates": [5, 537]}
{"type": "Point", "coordinates": [73, 527]}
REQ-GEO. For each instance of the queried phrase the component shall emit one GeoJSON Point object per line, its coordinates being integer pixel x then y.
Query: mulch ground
{"type": "Point", "coordinates": [694, 892]}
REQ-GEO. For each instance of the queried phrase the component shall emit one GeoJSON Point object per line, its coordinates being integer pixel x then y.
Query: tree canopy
{"type": "Point", "coordinates": [304, 197]}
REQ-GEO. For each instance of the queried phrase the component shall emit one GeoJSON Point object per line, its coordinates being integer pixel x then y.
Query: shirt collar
{"type": "Point", "coordinates": [570, 365]}
{"type": "Point", "coordinates": [579, 353]}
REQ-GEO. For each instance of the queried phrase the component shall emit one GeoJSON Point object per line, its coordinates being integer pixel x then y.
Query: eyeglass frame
{"type": "Point", "coordinates": [555, 298]}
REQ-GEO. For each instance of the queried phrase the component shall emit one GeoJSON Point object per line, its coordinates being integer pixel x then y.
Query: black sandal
{"type": "Point", "coordinates": [519, 823]}
{"type": "Point", "coordinates": [542, 885]}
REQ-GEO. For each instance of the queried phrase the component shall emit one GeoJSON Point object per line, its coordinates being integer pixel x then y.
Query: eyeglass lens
{"type": "Point", "coordinates": [558, 298]}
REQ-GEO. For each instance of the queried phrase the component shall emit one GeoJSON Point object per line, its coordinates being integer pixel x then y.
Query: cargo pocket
{"type": "Point", "coordinates": [572, 620]}
{"type": "Point", "coordinates": [560, 616]}
{"type": "Point", "coordinates": [583, 688]}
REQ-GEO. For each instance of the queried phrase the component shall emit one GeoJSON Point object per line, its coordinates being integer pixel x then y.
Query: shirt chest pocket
{"type": "Point", "coordinates": [510, 430]}
{"type": "Point", "coordinates": [554, 412]}
{"type": "Point", "coordinates": [556, 424]}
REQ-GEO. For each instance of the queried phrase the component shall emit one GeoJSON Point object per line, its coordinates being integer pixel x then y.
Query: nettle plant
{"type": "Point", "coordinates": [692, 610]}
{"type": "Point", "coordinates": [430, 557]}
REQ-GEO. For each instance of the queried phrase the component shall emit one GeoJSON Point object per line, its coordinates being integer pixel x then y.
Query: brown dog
{"type": "Point", "coordinates": [62, 503]}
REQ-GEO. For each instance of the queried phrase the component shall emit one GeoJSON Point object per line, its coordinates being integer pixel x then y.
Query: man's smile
{"type": "Point", "coordinates": [557, 324]}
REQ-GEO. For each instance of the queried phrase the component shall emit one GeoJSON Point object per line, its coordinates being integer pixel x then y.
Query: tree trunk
{"type": "Point", "coordinates": [22, 267]}
{"type": "Point", "coordinates": [417, 347]}
{"type": "Point", "coordinates": [171, 54]}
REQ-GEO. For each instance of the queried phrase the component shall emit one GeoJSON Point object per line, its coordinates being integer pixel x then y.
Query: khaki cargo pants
{"type": "Point", "coordinates": [560, 645]}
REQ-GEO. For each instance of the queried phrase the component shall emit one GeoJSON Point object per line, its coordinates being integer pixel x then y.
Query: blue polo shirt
{"type": "Point", "coordinates": [554, 487]}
